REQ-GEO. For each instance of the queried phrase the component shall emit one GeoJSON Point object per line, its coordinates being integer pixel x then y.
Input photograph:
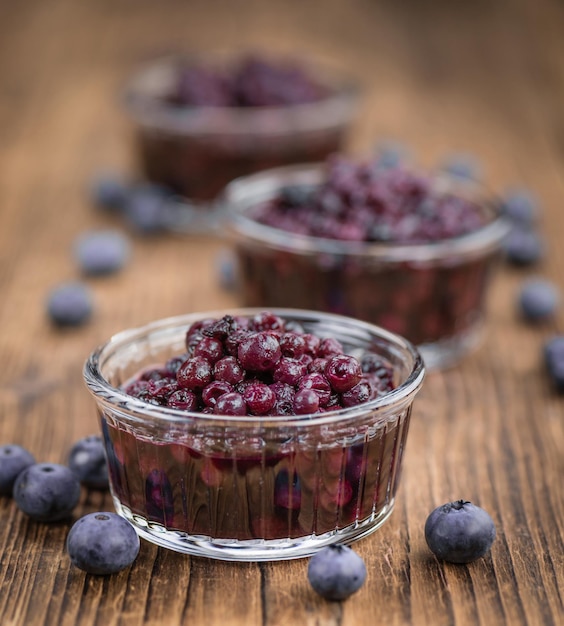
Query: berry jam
{"type": "Point", "coordinates": [210, 123]}
{"type": "Point", "coordinates": [236, 482]}
{"type": "Point", "coordinates": [406, 251]}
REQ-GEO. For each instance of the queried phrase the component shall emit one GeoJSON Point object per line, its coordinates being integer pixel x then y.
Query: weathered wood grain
{"type": "Point", "coordinates": [483, 77]}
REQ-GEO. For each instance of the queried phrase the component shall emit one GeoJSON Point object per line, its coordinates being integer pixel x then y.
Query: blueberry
{"type": "Point", "coordinates": [109, 192]}
{"type": "Point", "coordinates": [87, 459]}
{"type": "Point", "coordinates": [390, 154]}
{"type": "Point", "coordinates": [554, 360]}
{"type": "Point", "coordinates": [459, 532]}
{"type": "Point", "coordinates": [462, 166]}
{"type": "Point", "coordinates": [538, 299]}
{"type": "Point", "coordinates": [523, 247]}
{"type": "Point", "coordinates": [13, 460]}
{"type": "Point", "coordinates": [159, 498]}
{"type": "Point", "coordinates": [336, 572]}
{"type": "Point", "coordinates": [146, 208]}
{"type": "Point", "coordinates": [47, 492]}
{"type": "Point", "coordinates": [70, 304]}
{"type": "Point", "coordinates": [520, 206]}
{"type": "Point", "coordinates": [226, 270]}
{"type": "Point", "coordinates": [102, 543]}
{"type": "Point", "coordinates": [101, 252]}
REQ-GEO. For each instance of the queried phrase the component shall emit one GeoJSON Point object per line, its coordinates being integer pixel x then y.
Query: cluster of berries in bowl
{"type": "Point", "coordinates": [255, 435]}
{"type": "Point", "coordinates": [203, 121]}
{"type": "Point", "coordinates": [403, 249]}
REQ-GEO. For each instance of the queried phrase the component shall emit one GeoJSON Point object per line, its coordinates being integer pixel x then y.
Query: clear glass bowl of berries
{"type": "Point", "coordinates": [254, 435]}
{"type": "Point", "coordinates": [403, 249]}
{"type": "Point", "coordinates": [202, 120]}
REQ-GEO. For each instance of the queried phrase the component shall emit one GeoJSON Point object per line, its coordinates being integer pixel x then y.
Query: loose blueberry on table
{"type": "Point", "coordinates": [102, 543]}
{"type": "Point", "coordinates": [359, 202]}
{"type": "Point", "coordinates": [13, 460]}
{"type": "Point", "coordinates": [70, 304]}
{"type": "Point", "coordinates": [87, 459]}
{"type": "Point", "coordinates": [459, 532]}
{"type": "Point", "coordinates": [47, 492]}
{"type": "Point", "coordinates": [101, 252]}
{"type": "Point", "coordinates": [538, 299]}
{"type": "Point", "coordinates": [336, 572]}
{"type": "Point", "coordinates": [216, 484]}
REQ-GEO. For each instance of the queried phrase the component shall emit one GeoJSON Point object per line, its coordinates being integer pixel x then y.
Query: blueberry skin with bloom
{"type": "Point", "coordinates": [70, 304]}
{"type": "Point", "coordinates": [459, 532]}
{"type": "Point", "coordinates": [102, 543]}
{"type": "Point", "coordinates": [521, 207]}
{"type": "Point", "coordinates": [538, 299]}
{"type": "Point", "coordinates": [87, 459]}
{"type": "Point", "coordinates": [109, 192]}
{"type": "Point", "coordinates": [101, 252]}
{"type": "Point", "coordinates": [13, 460]}
{"type": "Point", "coordinates": [523, 247]}
{"type": "Point", "coordinates": [47, 492]}
{"type": "Point", "coordinates": [336, 572]}
{"type": "Point", "coordinates": [554, 360]}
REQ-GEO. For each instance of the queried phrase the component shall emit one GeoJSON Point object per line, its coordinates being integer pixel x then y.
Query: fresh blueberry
{"type": "Point", "coordinates": [47, 492]}
{"type": "Point", "coordinates": [462, 166]}
{"type": "Point", "coordinates": [13, 460]}
{"type": "Point", "coordinates": [520, 206]}
{"type": "Point", "coordinates": [336, 572]}
{"type": "Point", "coordinates": [70, 304]}
{"type": "Point", "coordinates": [87, 459]}
{"type": "Point", "coordinates": [226, 270]}
{"type": "Point", "coordinates": [109, 192]}
{"type": "Point", "coordinates": [146, 208]}
{"type": "Point", "coordinates": [390, 154]}
{"type": "Point", "coordinates": [102, 543]}
{"type": "Point", "coordinates": [554, 360]}
{"type": "Point", "coordinates": [523, 247]}
{"type": "Point", "coordinates": [459, 532]}
{"type": "Point", "coordinates": [538, 299]}
{"type": "Point", "coordinates": [101, 252]}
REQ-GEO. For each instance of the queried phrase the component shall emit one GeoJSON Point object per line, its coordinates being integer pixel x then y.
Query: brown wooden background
{"type": "Point", "coordinates": [483, 77]}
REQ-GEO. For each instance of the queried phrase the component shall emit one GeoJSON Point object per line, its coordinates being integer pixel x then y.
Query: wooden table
{"type": "Point", "coordinates": [481, 77]}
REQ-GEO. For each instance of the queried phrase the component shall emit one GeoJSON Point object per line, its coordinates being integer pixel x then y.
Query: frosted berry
{"type": "Point", "coordinates": [47, 492]}
{"type": "Point", "coordinates": [102, 543]}
{"type": "Point", "coordinates": [70, 304]}
{"type": "Point", "coordinates": [336, 572]}
{"type": "Point", "coordinates": [87, 459]}
{"type": "Point", "coordinates": [101, 252]}
{"type": "Point", "coordinates": [459, 532]}
{"type": "Point", "coordinates": [13, 460]}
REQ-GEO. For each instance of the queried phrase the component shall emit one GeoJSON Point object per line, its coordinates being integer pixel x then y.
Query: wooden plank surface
{"type": "Point", "coordinates": [482, 77]}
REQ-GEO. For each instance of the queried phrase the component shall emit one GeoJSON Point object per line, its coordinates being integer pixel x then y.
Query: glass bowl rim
{"type": "Point", "coordinates": [334, 110]}
{"type": "Point", "coordinates": [238, 195]}
{"type": "Point", "coordinates": [111, 396]}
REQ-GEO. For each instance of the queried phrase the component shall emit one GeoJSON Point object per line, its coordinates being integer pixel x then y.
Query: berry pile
{"type": "Point", "coordinates": [254, 82]}
{"type": "Point", "coordinates": [363, 201]}
{"type": "Point", "coordinates": [261, 366]}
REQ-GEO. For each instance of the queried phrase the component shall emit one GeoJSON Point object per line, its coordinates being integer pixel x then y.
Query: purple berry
{"type": "Point", "coordinates": [109, 192]}
{"type": "Point", "coordinates": [554, 361]}
{"type": "Point", "coordinates": [13, 460]}
{"type": "Point", "coordinates": [523, 247]}
{"type": "Point", "coordinates": [194, 374]}
{"type": "Point", "coordinates": [212, 392]}
{"type": "Point", "coordinates": [459, 532]}
{"type": "Point", "coordinates": [336, 572]}
{"type": "Point", "coordinates": [259, 352]}
{"type": "Point", "coordinates": [102, 543]}
{"type": "Point", "coordinates": [158, 497]}
{"type": "Point", "coordinates": [70, 304]}
{"type": "Point", "coordinates": [306, 401]}
{"type": "Point", "coordinates": [101, 252]}
{"type": "Point", "coordinates": [463, 166]}
{"type": "Point", "coordinates": [232, 403]}
{"type": "Point", "coordinates": [183, 399]}
{"type": "Point", "coordinates": [259, 398]}
{"type": "Point", "coordinates": [343, 372]}
{"type": "Point", "coordinates": [146, 209]}
{"type": "Point", "coordinates": [47, 492]}
{"type": "Point", "coordinates": [521, 207]}
{"type": "Point", "coordinates": [538, 299]}
{"type": "Point", "coordinates": [229, 370]}
{"type": "Point", "coordinates": [87, 459]}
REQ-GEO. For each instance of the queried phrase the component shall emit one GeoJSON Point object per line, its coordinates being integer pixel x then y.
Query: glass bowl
{"type": "Point", "coordinates": [196, 150]}
{"type": "Point", "coordinates": [431, 293]}
{"type": "Point", "coordinates": [252, 488]}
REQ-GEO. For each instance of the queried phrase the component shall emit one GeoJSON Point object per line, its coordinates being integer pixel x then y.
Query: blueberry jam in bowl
{"type": "Point", "coordinates": [202, 120]}
{"type": "Point", "coordinates": [250, 435]}
{"type": "Point", "coordinates": [408, 251]}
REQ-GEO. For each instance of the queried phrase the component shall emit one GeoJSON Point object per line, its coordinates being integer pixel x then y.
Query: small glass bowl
{"type": "Point", "coordinates": [250, 488]}
{"type": "Point", "coordinates": [432, 293]}
{"type": "Point", "coordinates": [196, 151]}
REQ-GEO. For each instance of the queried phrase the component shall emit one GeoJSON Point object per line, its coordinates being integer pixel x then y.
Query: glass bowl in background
{"type": "Point", "coordinates": [433, 294]}
{"type": "Point", "coordinates": [252, 488]}
{"type": "Point", "coordinates": [196, 150]}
